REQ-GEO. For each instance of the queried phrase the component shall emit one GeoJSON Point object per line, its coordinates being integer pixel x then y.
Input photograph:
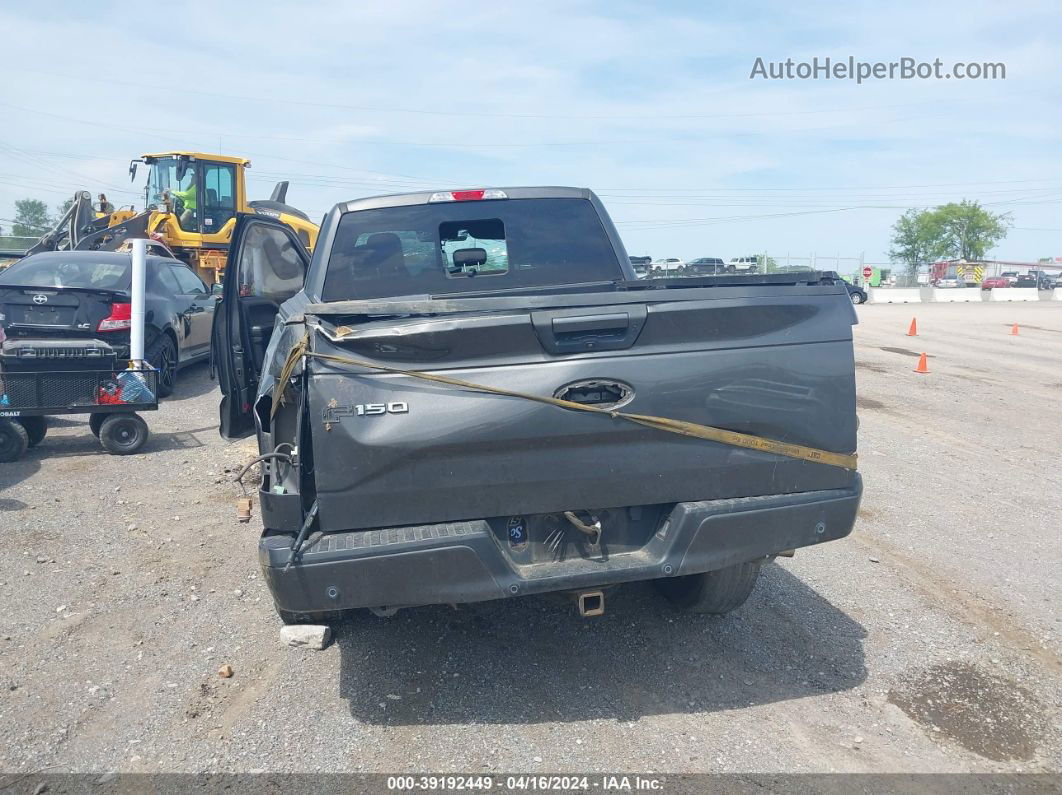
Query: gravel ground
{"type": "Point", "coordinates": [929, 641]}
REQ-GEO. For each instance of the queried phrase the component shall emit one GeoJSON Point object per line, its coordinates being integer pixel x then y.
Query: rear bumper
{"type": "Point", "coordinates": [463, 562]}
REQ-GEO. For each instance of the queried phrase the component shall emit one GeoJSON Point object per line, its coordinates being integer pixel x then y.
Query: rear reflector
{"type": "Point", "coordinates": [467, 195]}
{"type": "Point", "coordinates": [120, 319]}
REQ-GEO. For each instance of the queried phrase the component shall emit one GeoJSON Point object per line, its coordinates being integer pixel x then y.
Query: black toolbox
{"type": "Point", "coordinates": [28, 355]}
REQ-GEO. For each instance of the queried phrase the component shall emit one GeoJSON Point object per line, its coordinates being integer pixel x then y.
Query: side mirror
{"type": "Point", "coordinates": [217, 290]}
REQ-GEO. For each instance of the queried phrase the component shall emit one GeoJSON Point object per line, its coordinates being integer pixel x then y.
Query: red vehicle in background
{"type": "Point", "coordinates": [995, 281]}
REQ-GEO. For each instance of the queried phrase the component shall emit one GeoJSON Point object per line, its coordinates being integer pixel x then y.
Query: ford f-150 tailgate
{"type": "Point", "coordinates": [762, 357]}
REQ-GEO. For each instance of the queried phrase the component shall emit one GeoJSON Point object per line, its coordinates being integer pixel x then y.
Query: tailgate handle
{"type": "Point", "coordinates": [581, 323]}
{"type": "Point", "coordinates": [571, 331]}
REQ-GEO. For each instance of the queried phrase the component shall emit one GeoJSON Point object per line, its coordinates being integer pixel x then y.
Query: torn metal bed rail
{"type": "Point", "coordinates": [577, 295]}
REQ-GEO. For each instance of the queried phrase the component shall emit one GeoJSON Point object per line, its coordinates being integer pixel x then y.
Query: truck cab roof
{"type": "Point", "coordinates": [426, 197]}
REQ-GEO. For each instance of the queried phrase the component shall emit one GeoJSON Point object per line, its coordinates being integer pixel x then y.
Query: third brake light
{"type": "Point", "coordinates": [467, 195]}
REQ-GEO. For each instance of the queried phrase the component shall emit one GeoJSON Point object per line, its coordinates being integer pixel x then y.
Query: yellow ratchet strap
{"type": "Point", "coordinates": [696, 430]}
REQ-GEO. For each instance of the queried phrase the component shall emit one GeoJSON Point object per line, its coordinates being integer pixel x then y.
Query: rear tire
{"type": "Point", "coordinates": [715, 592]}
{"type": "Point", "coordinates": [123, 434]}
{"type": "Point", "coordinates": [36, 429]}
{"type": "Point", "coordinates": [289, 617]}
{"type": "Point", "coordinates": [857, 298]}
{"type": "Point", "coordinates": [14, 441]}
{"type": "Point", "coordinates": [163, 357]}
{"type": "Point", "coordinates": [95, 421]}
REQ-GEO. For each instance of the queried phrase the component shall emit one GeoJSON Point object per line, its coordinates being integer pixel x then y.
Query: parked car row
{"type": "Point", "coordinates": [702, 266]}
{"type": "Point", "coordinates": [1032, 279]}
{"type": "Point", "coordinates": [714, 266]}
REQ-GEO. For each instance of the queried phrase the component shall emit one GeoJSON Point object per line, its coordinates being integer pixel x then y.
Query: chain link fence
{"type": "Point", "coordinates": [16, 243]}
{"type": "Point", "coordinates": [11, 245]}
{"type": "Point", "coordinates": [882, 274]}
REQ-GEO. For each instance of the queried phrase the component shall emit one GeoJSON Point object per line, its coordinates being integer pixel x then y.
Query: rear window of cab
{"type": "Point", "coordinates": [459, 247]}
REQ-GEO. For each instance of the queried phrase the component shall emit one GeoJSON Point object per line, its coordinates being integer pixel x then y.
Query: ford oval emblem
{"type": "Point", "coordinates": [40, 299]}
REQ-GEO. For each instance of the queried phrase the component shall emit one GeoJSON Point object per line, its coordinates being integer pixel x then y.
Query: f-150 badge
{"type": "Point", "coordinates": [333, 413]}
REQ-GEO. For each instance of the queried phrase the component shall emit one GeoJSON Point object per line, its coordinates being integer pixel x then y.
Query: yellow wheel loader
{"type": "Point", "coordinates": [190, 204]}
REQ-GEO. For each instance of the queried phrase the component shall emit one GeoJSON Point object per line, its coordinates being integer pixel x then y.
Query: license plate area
{"type": "Point", "coordinates": [43, 315]}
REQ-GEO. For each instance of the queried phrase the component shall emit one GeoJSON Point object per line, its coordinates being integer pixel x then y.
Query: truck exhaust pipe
{"type": "Point", "coordinates": [591, 603]}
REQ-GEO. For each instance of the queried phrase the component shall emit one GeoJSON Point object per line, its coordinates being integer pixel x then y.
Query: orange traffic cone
{"type": "Point", "coordinates": [923, 366]}
{"type": "Point", "coordinates": [1014, 330]}
{"type": "Point", "coordinates": [913, 331]}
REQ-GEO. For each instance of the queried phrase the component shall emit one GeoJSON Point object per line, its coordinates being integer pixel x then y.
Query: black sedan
{"type": "Point", "coordinates": [857, 294]}
{"type": "Point", "coordinates": [86, 295]}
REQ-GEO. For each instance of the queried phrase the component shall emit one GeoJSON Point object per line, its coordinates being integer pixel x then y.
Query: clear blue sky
{"type": "Point", "coordinates": [651, 106]}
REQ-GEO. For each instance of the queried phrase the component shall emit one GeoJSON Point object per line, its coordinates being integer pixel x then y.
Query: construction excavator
{"type": "Point", "coordinates": [190, 204]}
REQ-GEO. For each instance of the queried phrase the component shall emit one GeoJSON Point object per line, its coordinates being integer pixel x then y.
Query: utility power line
{"type": "Point", "coordinates": [717, 192]}
{"type": "Point", "coordinates": [647, 115]}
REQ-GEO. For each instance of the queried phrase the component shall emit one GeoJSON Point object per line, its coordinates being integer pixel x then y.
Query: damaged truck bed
{"type": "Point", "coordinates": [470, 395]}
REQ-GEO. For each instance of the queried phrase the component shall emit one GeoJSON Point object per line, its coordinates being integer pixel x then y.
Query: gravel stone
{"type": "Point", "coordinates": [311, 636]}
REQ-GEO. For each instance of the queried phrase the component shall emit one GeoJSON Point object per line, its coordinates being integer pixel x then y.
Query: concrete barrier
{"type": "Point", "coordinates": [936, 295]}
{"type": "Point", "coordinates": [894, 295]}
{"type": "Point", "coordinates": [1051, 295]}
{"type": "Point", "coordinates": [1011, 294]}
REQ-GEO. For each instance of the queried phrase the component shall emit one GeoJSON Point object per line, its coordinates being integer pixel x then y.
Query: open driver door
{"type": "Point", "coordinates": [266, 266]}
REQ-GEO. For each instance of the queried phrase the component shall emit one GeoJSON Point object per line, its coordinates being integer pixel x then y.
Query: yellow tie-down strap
{"type": "Point", "coordinates": [696, 430]}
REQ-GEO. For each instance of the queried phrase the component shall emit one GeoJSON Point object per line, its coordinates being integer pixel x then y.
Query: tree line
{"type": "Point", "coordinates": [32, 218]}
{"type": "Point", "coordinates": [963, 230]}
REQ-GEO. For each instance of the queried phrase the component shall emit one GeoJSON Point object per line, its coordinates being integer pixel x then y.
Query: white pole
{"type": "Point", "coordinates": [136, 330]}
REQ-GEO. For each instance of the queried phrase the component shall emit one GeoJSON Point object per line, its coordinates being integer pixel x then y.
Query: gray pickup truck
{"type": "Point", "coordinates": [447, 395]}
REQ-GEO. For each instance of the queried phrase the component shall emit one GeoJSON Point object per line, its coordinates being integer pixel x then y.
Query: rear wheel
{"type": "Point", "coordinates": [36, 428]}
{"type": "Point", "coordinates": [291, 617]}
{"type": "Point", "coordinates": [163, 357]}
{"type": "Point", "coordinates": [123, 434]}
{"type": "Point", "coordinates": [14, 441]}
{"type": "Point", "coordinates": [857, 298]}
{"type": "Point", "coordinates": [95, 421]}
{"type": "Point", "coordinates": [715, 592]}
